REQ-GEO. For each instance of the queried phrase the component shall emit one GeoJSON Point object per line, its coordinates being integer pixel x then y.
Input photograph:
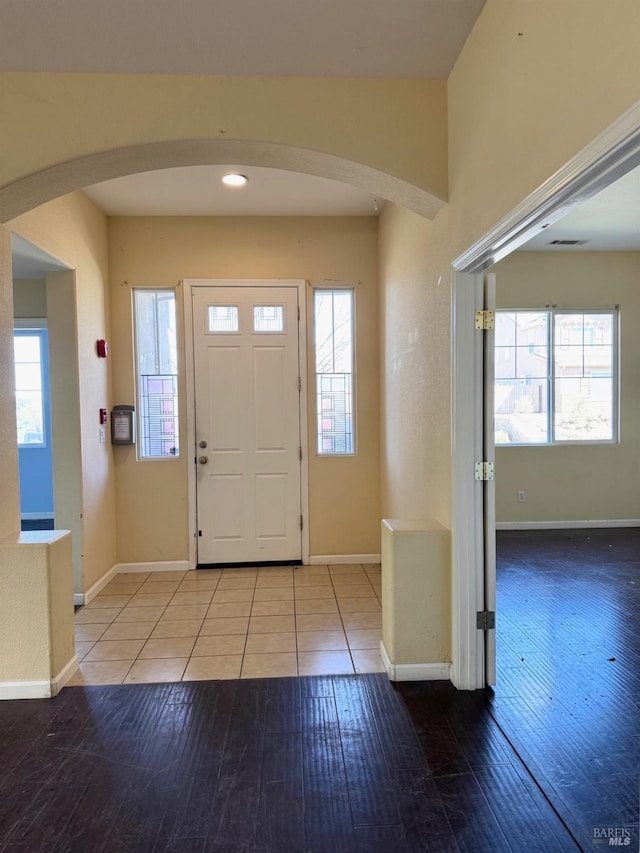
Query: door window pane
{"type": "Point", "coordinates": [222, 319]}
{"type": "Point", "coordinates": [268, 318]}
{"type": "Point", "coordinates": [584, 367]}
{"type": "Point", "coordinates": [521, 373]}
{"type": "Point", "coordinates": [521, 411]}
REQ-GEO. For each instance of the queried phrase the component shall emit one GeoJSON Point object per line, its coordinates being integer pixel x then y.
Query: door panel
{"type": "Point", "coordinates": [269, 396]}
{"type": "Point", "coordinates": [223, 375]}
{"type": "Point", "coordinates": [270, 503]}
{"type": "Point", "coordinates": [247, 403]}
{"type": "Point", "coordinates": [226, 502]}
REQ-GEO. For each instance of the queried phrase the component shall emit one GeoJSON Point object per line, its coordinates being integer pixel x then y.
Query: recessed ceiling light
{"type": "Point", "coordinates": [234, 180]}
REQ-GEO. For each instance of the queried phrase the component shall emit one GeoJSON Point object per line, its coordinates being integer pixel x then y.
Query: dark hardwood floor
{"type": "Point", "coordinates": [343, 763]}
{"type": "Point", "coordinates": [354, 763]}
{"type": "Point", "coordinates": [568, 691]}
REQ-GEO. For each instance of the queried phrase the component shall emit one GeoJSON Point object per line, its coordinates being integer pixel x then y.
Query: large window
{"type": "Point", "coordinates": [333, 332]}
{"type": "Point", "coordinates": [29, 355]}
{"type": "Point", "coordinates": [556, 376]}
{"type": "Point", "coordinates": [157, 373]}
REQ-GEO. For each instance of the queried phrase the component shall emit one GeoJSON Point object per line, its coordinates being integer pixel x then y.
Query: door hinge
{"type": "Point", "coordinates": [301, 522]}
{"type": "Point", "coordinates": [299, 383]}
{"type": "Point", "coordinates": [485, 619]}
{"type": "Point", "coordinates": [300, 454]}
{"type": "Point", "coordinates": [485, 320]}
{"type": "Point", "coordinates": [484, 471]}
{"type": "Point", "coordinates": [298, 313]}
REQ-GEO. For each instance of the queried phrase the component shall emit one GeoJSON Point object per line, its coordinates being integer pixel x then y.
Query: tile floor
{"type": "Point", "coordinates": [231, 623]}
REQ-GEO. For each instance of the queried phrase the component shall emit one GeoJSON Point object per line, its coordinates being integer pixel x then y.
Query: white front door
{"type": "Point", "coordinates": [247, 423]}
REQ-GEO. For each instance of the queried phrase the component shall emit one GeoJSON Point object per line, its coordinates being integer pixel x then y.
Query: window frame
{"type": "Point", "coordinates": [320, 454]}
{"type": "Point", "coordinates": [140, 438]}
{"type": "Point", "coordinates": [552, 312]}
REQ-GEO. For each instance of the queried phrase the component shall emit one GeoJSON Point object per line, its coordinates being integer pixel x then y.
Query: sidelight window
{"type": "Point", "coordinates": [156, 373]}
{"type": "Point", "coordinates": [334, 358]}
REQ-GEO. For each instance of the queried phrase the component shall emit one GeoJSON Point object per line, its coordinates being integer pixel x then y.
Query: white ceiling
{"type": "Point", "coordinates": [337, 38]}
{"type": "Point", "coordinates": [199, 191]}
{"type": "Point", "coordinates": [610, 221]}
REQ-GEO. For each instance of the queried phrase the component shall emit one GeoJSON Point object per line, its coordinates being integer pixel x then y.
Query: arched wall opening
{"type": "Point", "coordinates": [36, 189]}
{"type": "Point", "coordinates": [28, 195]}
{"type": "Point", "coordinates": [23, 205]}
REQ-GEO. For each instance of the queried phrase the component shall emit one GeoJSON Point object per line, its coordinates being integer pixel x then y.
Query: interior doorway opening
{"type": "Point", "coordinates": [613, 154]}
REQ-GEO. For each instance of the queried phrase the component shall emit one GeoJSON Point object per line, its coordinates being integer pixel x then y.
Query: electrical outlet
{"type": "Point", "coordinates": [521, 497]}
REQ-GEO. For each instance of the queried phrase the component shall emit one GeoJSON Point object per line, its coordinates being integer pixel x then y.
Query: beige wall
{"type": "Point", "coordinates": [66, 422]}
{"type": "Point", "coordinates": [415, 395]}
{"type": "Point", "coordinates": [74, 231]}
{"type": "Point", "coordinates": [587, 482]}
{"type": "Point", "coordinates": [29, 298]}
{"type": "Point", "coordinates": [36, 608]}
{"type": "Point", "coordinates": [536, 82]}
{"type": "Point", "coordinates": [152, 496]}
{"type": "Point", "coordinates": [347, 129]}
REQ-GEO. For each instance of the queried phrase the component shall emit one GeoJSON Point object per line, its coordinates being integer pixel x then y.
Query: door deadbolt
{"type": "Point", "coordinates": [202, 444]}
{"type": "Point", "coordinates": [203, 460]}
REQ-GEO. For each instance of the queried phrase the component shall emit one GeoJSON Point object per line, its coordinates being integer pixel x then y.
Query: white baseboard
{"type": "Point", "coordinates": [80, 598]}
{"type": "Point", "coordinates": [25, 689]}
{"type": "Point", "coordinates": [65, 674]}
{"type": "Point", "coordinates": [414, 671]}
{"type": "Point", "coordinates": [165, 566]}
{"type": "Point", "coordinates": [342, 559]}
{"type": "Point", "coordinates": [44, 689]}
{"type": "Point", "coordinates": [567, 525]}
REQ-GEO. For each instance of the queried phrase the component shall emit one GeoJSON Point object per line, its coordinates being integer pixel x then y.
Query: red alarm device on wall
{"type": "Point", "coordinates": [102, 348]}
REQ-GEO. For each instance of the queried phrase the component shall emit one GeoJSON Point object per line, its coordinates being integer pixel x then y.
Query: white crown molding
{"type": "Point", "coordinates": [611, 155]}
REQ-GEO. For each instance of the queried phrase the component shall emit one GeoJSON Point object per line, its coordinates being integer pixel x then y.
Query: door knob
{"type": "Point", "coordinates": [202, 444]}
{"type": "Point", "coordinates": [203, 460]}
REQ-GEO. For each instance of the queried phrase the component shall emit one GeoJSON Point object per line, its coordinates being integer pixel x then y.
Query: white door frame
{"type": "Point", "coordinates": [612, 154]}
{"type": "Point", "coordinates": [187, 284]}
